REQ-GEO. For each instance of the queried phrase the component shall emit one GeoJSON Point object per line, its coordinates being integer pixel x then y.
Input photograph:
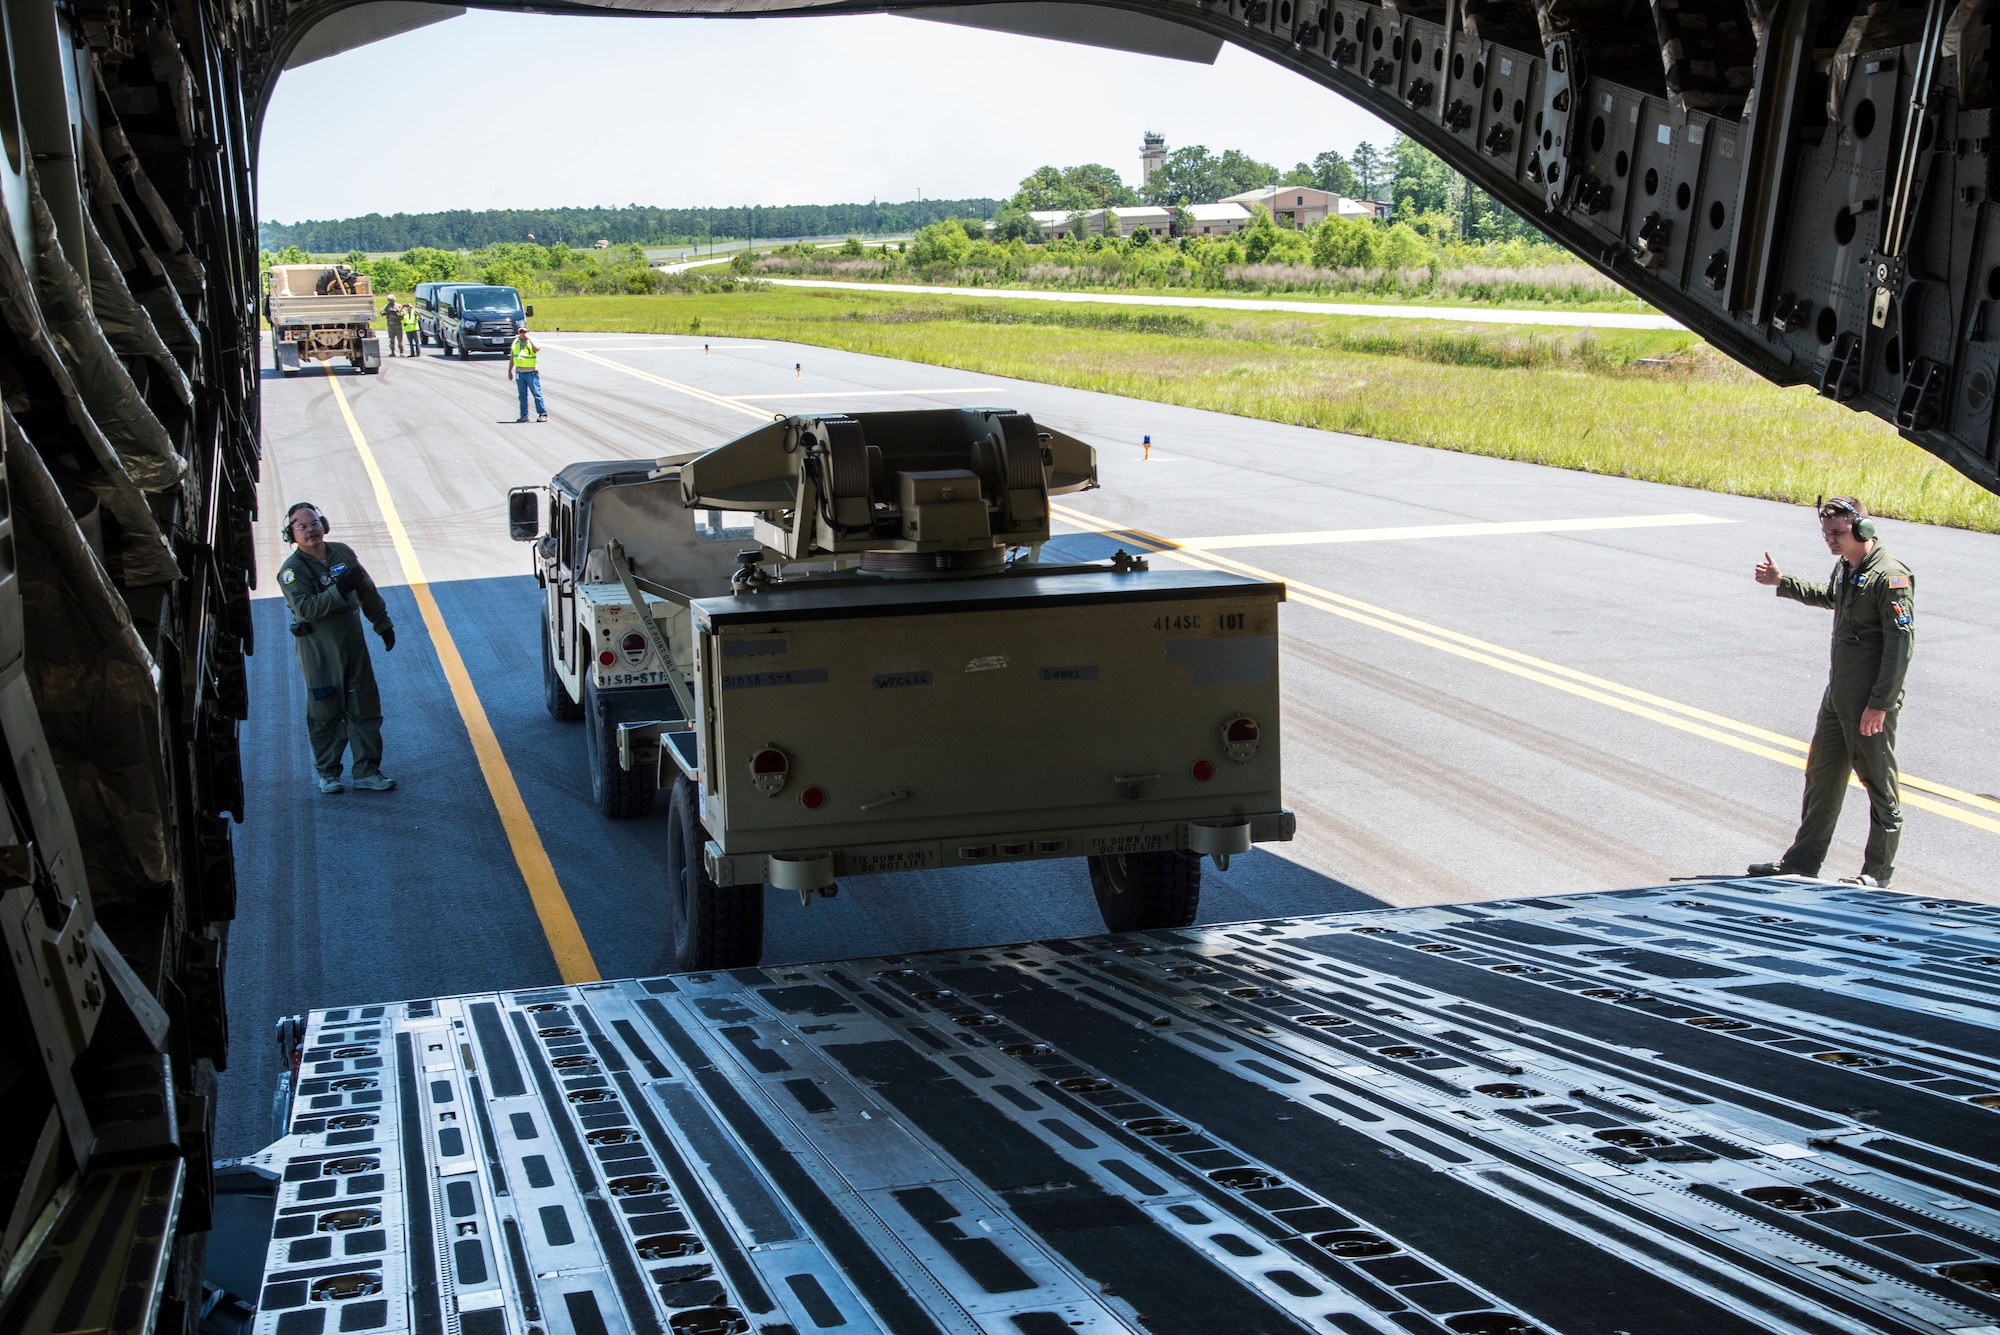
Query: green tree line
{"type": "Point", "coordinates": [471, 229]}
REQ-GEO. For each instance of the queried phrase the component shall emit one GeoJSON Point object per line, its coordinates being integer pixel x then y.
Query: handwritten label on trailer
{"type": "Point", "coordinates": [1084, 673]}
{"type": "Point", "coordinates": [795, 677]}
{"type": "Point", "coordinates": [654, 678]}
{"type": "Point", "coordinates": [889, 681]}
{"type": "Point", "coordinates": [752, 648]}
{"type": "Point", "coordinates": [872, 864]}
{"type": "Point", "coordinates": [1103, 844]}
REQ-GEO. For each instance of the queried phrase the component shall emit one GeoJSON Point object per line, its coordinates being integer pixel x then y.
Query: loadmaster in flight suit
{"type": "Point", "coordinates": [1873, 597]}
{"type": "Point", "coordinates": [328, 593]}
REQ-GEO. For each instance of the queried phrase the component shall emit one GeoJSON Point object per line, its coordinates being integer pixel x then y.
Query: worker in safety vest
{"type": "Point", "coordinates": [411, 335]}
{"type": "Point", "coordinates": [527, 380]}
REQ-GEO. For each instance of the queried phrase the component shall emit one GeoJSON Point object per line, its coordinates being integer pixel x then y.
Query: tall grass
{"type": "Point", "coordinates": [1654, 405]}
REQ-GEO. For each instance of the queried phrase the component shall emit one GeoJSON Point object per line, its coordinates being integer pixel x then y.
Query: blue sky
{"type": "Point", "coordinates": [521, 111]}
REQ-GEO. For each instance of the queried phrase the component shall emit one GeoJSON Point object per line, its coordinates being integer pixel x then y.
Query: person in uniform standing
{"type": "Point", "coordinates": [1873, 597]}
{"type": "Point", "coordinates": [411, 334]}
{"type": "Point", "coordinates": [328, 593]}
{"type": "Point", "coordinates": [392, 316]}
{"type": "Point", "coordinates": [522, 356]}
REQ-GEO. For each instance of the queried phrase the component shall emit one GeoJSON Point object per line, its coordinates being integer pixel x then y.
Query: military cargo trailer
{"type": "Point", "coordinates": [893, 682]}
{"type": "Point", "coordinates": [878, 726]}
{"type": "Point", "coordinates": [1663, 1111]}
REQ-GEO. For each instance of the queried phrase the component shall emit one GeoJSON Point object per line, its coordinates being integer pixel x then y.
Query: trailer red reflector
{"type": "Point", "coordinates": [607, 658]}
{"type": "Point", "coordinates": [812, 799]}
{"type": "Point", "coordinates": [1202, 771]}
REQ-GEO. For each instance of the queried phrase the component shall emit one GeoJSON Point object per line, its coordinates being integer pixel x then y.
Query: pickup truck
{"type": "Point", "coordinates": [831, 641]}
{"type": "Point", "coordinates": [322, 313]}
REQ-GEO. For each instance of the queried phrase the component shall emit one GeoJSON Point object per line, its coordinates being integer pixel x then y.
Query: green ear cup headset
{"type": "Point", "coordinates": [311, 509]}
{"type": "Point", "coordinates": [1863, 526]}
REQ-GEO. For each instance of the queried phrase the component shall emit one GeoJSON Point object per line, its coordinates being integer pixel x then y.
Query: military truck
{"type": "Point", "coordinates": [321, 313]}
{"type": "Point", "coordinates": [833, 642]}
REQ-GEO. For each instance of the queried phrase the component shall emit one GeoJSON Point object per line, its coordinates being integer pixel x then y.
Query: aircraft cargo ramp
{"type": "Point", "coordinates": [1718, 1107]}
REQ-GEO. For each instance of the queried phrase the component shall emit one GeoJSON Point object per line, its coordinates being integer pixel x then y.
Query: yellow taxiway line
{"type": "Point", "coordinates": [559, 925]}
{"type": "Point", "coordinates": [1659, 709]}
{"type": "Point", "coordinates": [721, 401]}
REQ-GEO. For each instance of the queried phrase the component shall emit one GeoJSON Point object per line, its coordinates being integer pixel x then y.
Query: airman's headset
{"type": "Point", "coordinates": [311, 509]}
{"type": "Point", "coordinates": [1862, 526]}
{"type": "Point", "coordinates": [303, 627]}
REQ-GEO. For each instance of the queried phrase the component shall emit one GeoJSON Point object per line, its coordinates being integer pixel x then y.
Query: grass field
{"type": "Point", "coordinates": [1655, 405]}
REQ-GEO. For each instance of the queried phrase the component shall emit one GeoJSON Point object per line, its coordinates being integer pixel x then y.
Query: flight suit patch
{"type": "Point", "coordinates": [1901, 614]}
{"type": "Point", "coordinates": [287, 576]}
{"type": "Point", "coordinates": [1860, 583]}
{"type": "Point", "coordinates": [1899, 581]}
{"type": "Point", "coordinates": [325, 580]}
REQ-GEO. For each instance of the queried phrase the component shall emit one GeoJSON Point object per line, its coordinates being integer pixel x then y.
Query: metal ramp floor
{"type": "Point", "coordinates": [1738, 1106]}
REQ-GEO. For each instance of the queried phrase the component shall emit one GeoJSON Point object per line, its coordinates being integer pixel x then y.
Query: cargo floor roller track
{"type": "Point", "coordinates": [1727, 1107]}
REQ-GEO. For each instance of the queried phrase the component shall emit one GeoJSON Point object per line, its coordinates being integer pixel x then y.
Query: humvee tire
{"type": "Point", "coordinates": [715, 926]}
{"type": "Point", "coordinates": [618, 792]}
{"type": "Point", "coordinates": [1139, 891]}
{"type": "Point", "coordinates": [554, 694]}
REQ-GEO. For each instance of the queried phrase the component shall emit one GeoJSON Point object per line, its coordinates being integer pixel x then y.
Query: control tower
{"type": "Point", "coordinates": [1152, 152]}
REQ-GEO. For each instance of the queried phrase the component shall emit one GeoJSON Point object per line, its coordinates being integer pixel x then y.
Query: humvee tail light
{"type": "Point", "coordinates": [1239, 738]}
{"type": "Point", "coordinates": [768, 770]}
{"type": "Point", "coordinates": [812, 799]}
{"type": "Point", "coordinates": [1202, 771]}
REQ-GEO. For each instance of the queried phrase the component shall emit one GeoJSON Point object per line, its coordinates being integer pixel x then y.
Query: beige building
{"type": "Point", "coordinates": [1140, 218]}
{"type": "Point", "coordinates": [1290, 205]}
{"type": "Point", "coordinates": [1217, 219]}
{"type": "Point", "coordinates": [1132, 218]}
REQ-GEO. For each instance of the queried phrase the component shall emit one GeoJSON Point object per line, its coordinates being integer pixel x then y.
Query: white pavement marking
{"type": "Point", "coordinates": [1494, 529]}
{"type": "Point", "coordinates": [1458, 314]}
{"type": "Point", "coordinates": [730, 346]}
{"type": "Point", "coordinates": [881, 393]}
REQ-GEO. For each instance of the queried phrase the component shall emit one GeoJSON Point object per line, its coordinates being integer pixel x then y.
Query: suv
{"type": "Point", "coordinates": [478, 319]}
{"type": "Point", "coordinates": [428, 295]}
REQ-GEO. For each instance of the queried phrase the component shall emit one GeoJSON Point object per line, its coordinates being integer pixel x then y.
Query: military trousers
{"type": "Point", "coordinates": [1838, 749]}
{"type": "Point", "coordinates": [347, 716]}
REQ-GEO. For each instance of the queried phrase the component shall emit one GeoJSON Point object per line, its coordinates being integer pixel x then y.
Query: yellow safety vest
{"type": "Point", "coordinates": [524, 355]}
{"type": "Point", "coordinates": [409, 318]}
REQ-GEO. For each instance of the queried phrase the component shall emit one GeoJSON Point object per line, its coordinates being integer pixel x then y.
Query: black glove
{"type": "Point", "coordinates": [388, 633]}
{"type": "Point", "coordinates": [346, 578]}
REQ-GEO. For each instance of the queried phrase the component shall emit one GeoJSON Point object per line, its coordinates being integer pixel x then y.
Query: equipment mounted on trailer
{"type": "Point", "coordinates": [889, 680]}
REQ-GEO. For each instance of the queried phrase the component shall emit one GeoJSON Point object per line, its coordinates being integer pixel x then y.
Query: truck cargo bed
{"type": "Point", "coordinates": [1735, 1106]}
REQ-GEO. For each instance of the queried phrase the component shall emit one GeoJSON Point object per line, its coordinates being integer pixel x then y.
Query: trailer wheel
{"type": "Point", "coordinates": [618, 793]}
{"type": "Point", "coordinates": [1139, 891]}
{"type": "Point", "coordinates": [554, 694]}
{"type": "Point", "coordinates": [715, 926]}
